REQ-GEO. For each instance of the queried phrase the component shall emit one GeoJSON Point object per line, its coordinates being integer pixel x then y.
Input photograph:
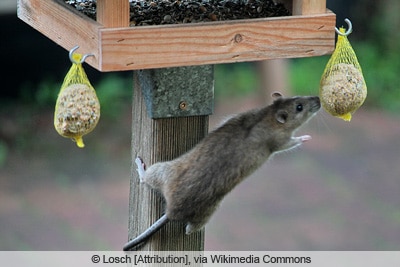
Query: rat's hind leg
{"type": "Point", "coordinates": [200, 218]}
{"type": "Point", "coordinates": [155, 175]}
{"type": "Point", "coordinates": [141, 168]}
{"type": "Point", "coordinates": [192, 227]}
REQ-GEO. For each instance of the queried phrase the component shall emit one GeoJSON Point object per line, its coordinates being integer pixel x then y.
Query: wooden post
{"type": "Point", "coordinates": [155, 140]}
{"type": "Point", "coordinates": [308, 7]}
{"type": "Point", "coordinates": [113, 13]}
{"type": "Point", "coordinates": [161, 140]}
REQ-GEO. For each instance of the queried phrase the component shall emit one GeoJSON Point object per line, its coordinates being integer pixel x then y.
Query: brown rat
{"type": "Point", "coordinates": [194, 184]}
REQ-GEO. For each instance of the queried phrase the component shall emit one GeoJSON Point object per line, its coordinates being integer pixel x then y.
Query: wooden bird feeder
{"type": "Point", "coordinates": [118, 47]}
{"type": "Point", "coordinates": [181, 92]}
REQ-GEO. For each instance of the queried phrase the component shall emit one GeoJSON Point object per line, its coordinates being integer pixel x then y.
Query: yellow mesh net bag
{"type": "Point", "coordinates": [77, 109]}
{"type": "Point", "coordinates": [342, 87]}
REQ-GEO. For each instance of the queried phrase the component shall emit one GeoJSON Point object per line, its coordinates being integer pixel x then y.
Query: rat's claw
{"type": "Point", "coordinates": [140, 168]}
{"type": "Point", "coordinates": [305, 138]}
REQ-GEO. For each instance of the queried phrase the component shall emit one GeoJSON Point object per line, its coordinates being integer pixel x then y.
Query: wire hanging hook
{"type": "Point", "coordinates": [349, 30]}
{"type": "Point", "coordinates": [71, 58]}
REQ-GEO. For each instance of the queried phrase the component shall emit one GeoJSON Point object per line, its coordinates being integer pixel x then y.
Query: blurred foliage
{"type": "Point", "coordinates": [381, 75]}
{"type": "Point", "coordinates": [305, 74]}
{"type": "Point", "coordinates": [114, 93]}
{"type": "Point", "coordinates": [3, 153]}
{"type": "Point", "coordinates": [235, 80]}
{"type": "Point", "coordinates": [40, 95]}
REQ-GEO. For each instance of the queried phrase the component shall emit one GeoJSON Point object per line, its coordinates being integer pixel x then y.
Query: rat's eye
{"type": "Point", "coordinates": [299, 107]}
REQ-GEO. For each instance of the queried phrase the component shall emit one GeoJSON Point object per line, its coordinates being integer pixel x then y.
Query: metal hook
{"type": "Point", "coordinates": [71, 53]}
{"type": "Point", "coordinates": [349, 30]}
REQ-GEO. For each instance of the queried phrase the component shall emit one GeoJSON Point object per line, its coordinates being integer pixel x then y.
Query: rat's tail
{"type": "Point", "coordinates": [146, 234]}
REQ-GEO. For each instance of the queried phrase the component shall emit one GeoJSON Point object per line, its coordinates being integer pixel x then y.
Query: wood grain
{"type": "Point", "coordinates": [148, 47]}
{"type": "Point", "coordinates": [308, 7]}
{"type": "Point", "coordinates": [214, 43]}
{"type": "Point", "coordinates": [154, 141]}
{"type": "Point", "coordinates": [113, 13]}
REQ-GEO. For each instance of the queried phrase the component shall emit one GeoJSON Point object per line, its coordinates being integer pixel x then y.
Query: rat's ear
{"type": "Point", "coordinates": [281, 116]}
{"type": "Point", "coordinates": [275, 95]}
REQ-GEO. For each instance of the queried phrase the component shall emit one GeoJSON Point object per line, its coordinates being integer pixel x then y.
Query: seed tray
{"type": "Point", "coordinates": [160, 12]}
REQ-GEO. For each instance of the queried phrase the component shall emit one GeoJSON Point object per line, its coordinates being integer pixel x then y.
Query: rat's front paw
{"type": "Point", "coordinates": [304, 138]}
{"type": "Point", "coordinates": [140, 168]}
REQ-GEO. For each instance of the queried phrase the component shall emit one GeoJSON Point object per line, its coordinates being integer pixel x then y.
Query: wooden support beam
{"type": "Point", "coordinates": [113, 13]}
{"type": "Point", "coordinates": [157, 140]}
{"type": "Point", "coordinates": [308, 7]}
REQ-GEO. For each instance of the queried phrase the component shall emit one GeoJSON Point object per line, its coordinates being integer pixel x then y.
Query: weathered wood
{"type": "Point", "coordinates": [308, 7]}
{"type": "Point", "coordinates": [149, 47]}
{"type": "Point", "coordinates": [160, 140]}
{"type": "Point", "coordinates": [192, 97]}
{"type": "Point", "coordinates": [113, 13]}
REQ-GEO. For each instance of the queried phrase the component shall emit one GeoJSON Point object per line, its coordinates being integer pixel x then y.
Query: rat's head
{"type": "Point", "coordinates": [288, 114]}
{"type": "Point", "coordinates": [291, 113]}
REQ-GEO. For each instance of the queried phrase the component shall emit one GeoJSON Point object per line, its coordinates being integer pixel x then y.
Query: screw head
{"type": "Point", "coordinates": [183, 105]}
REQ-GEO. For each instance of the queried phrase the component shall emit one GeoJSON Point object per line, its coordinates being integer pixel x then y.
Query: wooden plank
{"type": "Point", "coordinates": [63, 25]}
{"type": "Point", "coordinates": [308, 7]}
{"type": "Point", "coordinates": [212, 43]}
{"type": "Point", "coordinates": [113, 13]}
{"type": "Point", "coordinates": [155, 141]}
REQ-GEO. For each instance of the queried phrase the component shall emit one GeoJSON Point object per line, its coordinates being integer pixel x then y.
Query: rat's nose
{"type": "Point", "coordinates": [315, 103]}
